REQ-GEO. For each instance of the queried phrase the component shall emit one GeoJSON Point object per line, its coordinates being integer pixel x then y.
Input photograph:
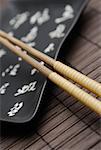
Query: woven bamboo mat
{"type": "Point", "coordinates": [67, 124]}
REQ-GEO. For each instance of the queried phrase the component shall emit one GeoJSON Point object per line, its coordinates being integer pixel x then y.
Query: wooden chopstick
{"type": "Point", "coordinates": [64, 70]}
{"type": "Point", "coordinates": [66, 85]}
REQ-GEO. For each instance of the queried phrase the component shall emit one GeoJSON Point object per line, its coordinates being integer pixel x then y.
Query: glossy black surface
{"type": "Point", "coordinates": [31, 100]}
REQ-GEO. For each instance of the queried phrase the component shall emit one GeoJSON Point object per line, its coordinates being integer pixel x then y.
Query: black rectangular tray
{"type": "Point", "coordinates": [16, 75]}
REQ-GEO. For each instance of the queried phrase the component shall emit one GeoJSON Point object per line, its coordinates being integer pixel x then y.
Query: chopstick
{"type": "Point", "coordinates": [66, 85]}
{"type": "Point", "coordinates": [63, 69]}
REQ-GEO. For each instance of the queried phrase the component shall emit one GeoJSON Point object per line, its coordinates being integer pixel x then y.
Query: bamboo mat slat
{"type": "Point", "coordinates": [66, 124]}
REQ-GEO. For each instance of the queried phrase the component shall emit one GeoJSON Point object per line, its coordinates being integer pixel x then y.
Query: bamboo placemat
{"type": "Point", "coordinates": [66, 124]}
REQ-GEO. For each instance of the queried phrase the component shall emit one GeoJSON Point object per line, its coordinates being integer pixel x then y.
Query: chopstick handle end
{"type": "Point", "coordinates": [76, 92]}
{"type": "Point", "coordinates": [78, 77]}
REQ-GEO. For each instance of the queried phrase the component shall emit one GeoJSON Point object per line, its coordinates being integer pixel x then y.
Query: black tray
{"type": "Point", "coordinates": [30, 100]}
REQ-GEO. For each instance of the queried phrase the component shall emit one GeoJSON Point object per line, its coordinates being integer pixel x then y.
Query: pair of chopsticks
{"type": "Point", "coordinates": [62, 82]}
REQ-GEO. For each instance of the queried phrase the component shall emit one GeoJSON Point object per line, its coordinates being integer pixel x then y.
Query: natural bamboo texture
{"type": "Point", "coordinates": [64, 70]}
{"type": "Point", "coordinates": [76, 76]}
{"type": "Point", "coordinates": [66, 85]}
{"type": "Point", "coordinates": [76, 92]}
{"type": "Point", "coordinates": [66, 124]}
